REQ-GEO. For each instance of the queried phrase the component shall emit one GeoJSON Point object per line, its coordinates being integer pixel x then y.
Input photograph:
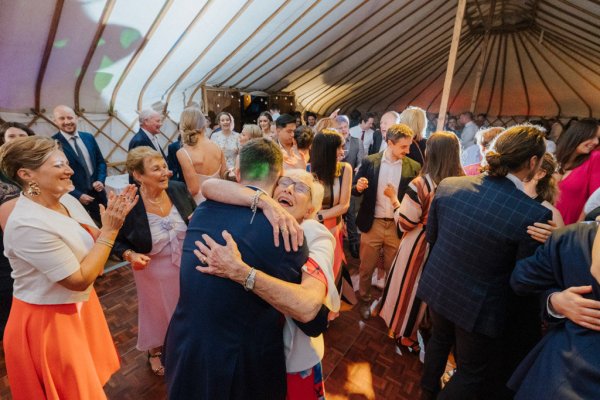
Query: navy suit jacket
{"type": "Point", "coordinates": [81, 183]}
{"type": "Point", "coordinates": [173, 162]}
{"type": "Point", "coordinates": [141, 139]}
{"type": "Point", "coordinates": [477, 227]}
{"type": "Point", "coordinates": [566, 362]}
{"type": "Point", "coordinates": [224, 342]}
{"type": "Point", "coordinates": [370, 169]}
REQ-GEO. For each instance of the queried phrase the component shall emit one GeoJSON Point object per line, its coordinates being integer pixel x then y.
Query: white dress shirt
{"type": "Point", "coordinates": [357, 132]}
{"type": "Point", "coordinates": [467, 137]}
{"type": "Point", "coordinates": [389, 172]}
{"type": "Point", "coordinates": [153, 139]}
{"type": "Point", "coordinates": [82, 146]}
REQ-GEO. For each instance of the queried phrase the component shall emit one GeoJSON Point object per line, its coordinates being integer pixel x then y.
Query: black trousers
{"type": "Point", "coordinates": [475, 354]}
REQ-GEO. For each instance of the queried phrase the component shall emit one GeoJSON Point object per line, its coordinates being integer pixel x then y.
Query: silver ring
{"type": "Point", "coordinates": [284, 229]}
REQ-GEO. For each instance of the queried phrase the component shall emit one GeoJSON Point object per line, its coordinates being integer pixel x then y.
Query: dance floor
{"type": "Point", "coordinates": [360, 361]}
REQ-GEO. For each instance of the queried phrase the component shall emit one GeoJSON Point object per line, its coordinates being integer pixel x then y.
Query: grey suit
{"type": "Point", "coordinates": [354, 153]}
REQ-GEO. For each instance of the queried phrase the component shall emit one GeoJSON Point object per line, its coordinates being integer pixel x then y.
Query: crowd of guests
{"type": "Point", "coordinates": [236, 242]}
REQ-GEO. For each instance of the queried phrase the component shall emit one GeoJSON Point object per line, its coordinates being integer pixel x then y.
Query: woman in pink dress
{"type": "Point", "coordinates": [579, 168]}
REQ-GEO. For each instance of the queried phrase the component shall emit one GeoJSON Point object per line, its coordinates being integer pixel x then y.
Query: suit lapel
{"type": "Point", "coordinates": [68, 150]}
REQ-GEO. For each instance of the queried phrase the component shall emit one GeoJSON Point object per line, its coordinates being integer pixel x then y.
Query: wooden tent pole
{"type": "Point", "coordinates": [460, 13]}
{"type": "Point", "coordinates": [481, 66]}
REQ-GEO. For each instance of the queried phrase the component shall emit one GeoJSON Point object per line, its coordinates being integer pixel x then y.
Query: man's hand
{"type": "Point", "coordinates": [540, 231]}
{"type": "Point", "coordinates": [85, 199]}
{"type": "Point", "coordinates": [571, 303]}
{"type": "Point", "coordinates": [362, 184]}
{"type": "Point", "coordinates": [224, 261]}
{"type": "Point", "coordinates": [98, 186]}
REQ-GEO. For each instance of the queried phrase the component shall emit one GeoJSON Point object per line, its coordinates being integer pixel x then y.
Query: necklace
{"type": "Point", "coordinates": [157, 203]}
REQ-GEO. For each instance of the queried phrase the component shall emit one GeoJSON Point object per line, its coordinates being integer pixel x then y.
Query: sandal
{"type": "Point", "coordinates": [160, 370]}
{"type": "Point", "coordinates": [411, 345]}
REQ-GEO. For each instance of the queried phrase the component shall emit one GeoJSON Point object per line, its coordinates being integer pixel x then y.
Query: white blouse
{"type": "Point", "coordinates": [44, 247]}
{"type": "Point", "coordinates": [230, 145]}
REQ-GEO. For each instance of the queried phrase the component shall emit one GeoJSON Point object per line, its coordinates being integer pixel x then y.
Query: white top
{"type": "Point", "coordinates": [471, 155]}
{"type": "Point", "coordinates": [389, 172]}
{"type": "Point", "coordinates": [44, 247]}
{"type": "Point", "coordinates": [357, 132]}
{"type": "Point", "coordinates": [550, 146]}
{"type": "Point", "coordinates": [467, 137]}
{"type": "Point", "coordinates": [303, 352]}
{"type": "Point", "coordinates": [82, 146]}
{"type": "Point", "coordinates": [593, 202]}
{"type": "Point", "coordinates": [230, 145]}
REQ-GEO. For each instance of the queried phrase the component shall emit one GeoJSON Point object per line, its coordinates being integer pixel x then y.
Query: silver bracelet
{"type": "Point", "coordinates": [254, 204]}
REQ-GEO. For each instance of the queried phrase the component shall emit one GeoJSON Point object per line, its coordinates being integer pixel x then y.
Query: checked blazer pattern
{"type": "Point", "coordinates": [477, 227]}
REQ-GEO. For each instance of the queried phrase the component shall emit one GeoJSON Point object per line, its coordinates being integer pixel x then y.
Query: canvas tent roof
{"type": "Point", "coordinates": [118, 56]}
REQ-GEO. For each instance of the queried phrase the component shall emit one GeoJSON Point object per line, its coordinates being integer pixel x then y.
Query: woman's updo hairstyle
{"type": "Point", "coordinates": [513, 148]}
{"type": "Point", "coordinates": [27, 152]}
{"type": "Point", "coordinates": [191, 124]}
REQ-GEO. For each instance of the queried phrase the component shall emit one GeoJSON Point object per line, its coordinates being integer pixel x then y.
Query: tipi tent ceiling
{"type": "Point", "coordinates": [542, 56]}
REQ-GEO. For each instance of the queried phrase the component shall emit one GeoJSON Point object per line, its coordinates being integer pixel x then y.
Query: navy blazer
{"type": "Point", "coordinates": [83, 185]}
{"type": "Point", "coordinates": [224, 342]}
{"type": "Point", "coordinates": [135, 233]}
{"type": "Point", "coordinates": [477, 227]}
{"type": "Point", "coordinates": [376, 145]}
{"type": "Point", "coordinates": [566, 362]}
{"type": "Point", "coordinates": [173, 162]}
{"type": "Point", "coordinates": [141, 139]}
{"type": "Point", "coordinates": [370, 169]}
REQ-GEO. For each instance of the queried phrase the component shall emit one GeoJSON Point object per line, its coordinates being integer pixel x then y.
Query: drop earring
{"type": "Point", "coordinates": [33, 189]}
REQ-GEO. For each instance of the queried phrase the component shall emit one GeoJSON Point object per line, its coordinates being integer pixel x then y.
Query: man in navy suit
{"type": "Point", "coordinates": [225, 342]}
{"type": "Point", "coordinates": [477, 228]}
{"type": "Point", "coordinates": [566, 362]}
{"type": "Point", "coordinates": [147, 135]}
{"type": "Point", "coordinates": [86, 160]}
{"type": "Point", "coordinates": [172, 160]}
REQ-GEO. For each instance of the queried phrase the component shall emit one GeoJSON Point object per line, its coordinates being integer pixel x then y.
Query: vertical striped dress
{"type": "Point", "coordinates": [400, 308]}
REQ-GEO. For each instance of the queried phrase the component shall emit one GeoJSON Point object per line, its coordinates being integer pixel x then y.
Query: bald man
{"type": "Point", "coordinates": [86, 160]}
{"type": "Point", "coordinates": [379, 142]}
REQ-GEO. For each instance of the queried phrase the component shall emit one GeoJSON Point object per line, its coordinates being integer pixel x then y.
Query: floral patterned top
{"type": "Point", "coordinates": [230, 145]}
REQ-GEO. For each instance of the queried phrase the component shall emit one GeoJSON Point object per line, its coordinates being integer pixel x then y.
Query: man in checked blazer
{"type": "Point", "coordinates": [389, 170]}
{"type": "Point", "coordinates": [86, 160]}
{"type": "Point", "coordinates": [477, 228]}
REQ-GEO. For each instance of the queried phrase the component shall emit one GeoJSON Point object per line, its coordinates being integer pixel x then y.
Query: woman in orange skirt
{"type": "Point", "coordinates": [57, 344]}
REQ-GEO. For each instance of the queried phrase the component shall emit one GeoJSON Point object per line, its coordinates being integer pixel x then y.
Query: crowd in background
{"type": "Point", "coordinates": [475, 234]}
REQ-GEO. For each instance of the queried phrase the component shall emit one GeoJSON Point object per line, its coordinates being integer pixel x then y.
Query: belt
{"type": "Point", "coordinates": [385, 219]}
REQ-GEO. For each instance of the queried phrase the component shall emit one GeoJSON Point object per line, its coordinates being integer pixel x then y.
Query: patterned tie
{"type": "Point", "coordinates": [81, 157]}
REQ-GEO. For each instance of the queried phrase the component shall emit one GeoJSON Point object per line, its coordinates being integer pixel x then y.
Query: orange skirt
{"type": "Point", "coordinates": [59, 351]}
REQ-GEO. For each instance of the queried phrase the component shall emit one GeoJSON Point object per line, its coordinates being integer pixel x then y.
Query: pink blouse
{"type": "Point", "coordinates": [577, 187]}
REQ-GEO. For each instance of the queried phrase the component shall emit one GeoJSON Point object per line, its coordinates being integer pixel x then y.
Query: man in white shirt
{"type": "Point", "coordinates": [311, 120]}
{"type": "Point", "coordinates": [470, 128]}
{"type": "Point", "coordinates": [363, 130]}
{"type": "Point", "coordinates": [86, 160]}
{"type": "Point", "coordinates": [389, 171]}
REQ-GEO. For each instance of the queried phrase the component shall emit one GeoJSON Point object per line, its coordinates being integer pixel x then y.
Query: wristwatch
{"type": "Point", "coordinates": [250, 280]}
{"type": "Point", "coordinates": [320, 217]}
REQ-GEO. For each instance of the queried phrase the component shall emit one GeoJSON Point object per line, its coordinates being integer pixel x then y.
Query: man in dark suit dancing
{"type": "Point", "coordinates": [389, 170]}
{"type": "Point", "coordinates": [225, 342]}
{"type": "Point", "coordinates": [86, 160]}
{"type": "Point", "coordinates": [477, 228]}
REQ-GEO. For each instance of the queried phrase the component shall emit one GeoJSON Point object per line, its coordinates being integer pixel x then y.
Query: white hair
{"type": "Point", "coordinates": [393, 114]}
{"type": "Point", "coordinates": [147, 114]}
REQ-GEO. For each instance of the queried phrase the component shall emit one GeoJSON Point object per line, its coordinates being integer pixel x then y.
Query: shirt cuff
{"type": "Point", "coordinates": [550, 310]}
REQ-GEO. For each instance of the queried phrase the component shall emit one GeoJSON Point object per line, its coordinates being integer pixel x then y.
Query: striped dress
{"type": "Point", "coordinates": [400, 308]}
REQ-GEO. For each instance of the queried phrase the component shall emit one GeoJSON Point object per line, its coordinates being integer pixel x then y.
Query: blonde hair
{"type": "Point", "coordinates": [416, 119]}
{"type": "Point", "coordinates": [191, 124]}
{"type": "Point", "coordinates": [254, 131]}
{"type": "Point", "coordinates": [136, 157]}
{"type": "Point", "coordinates": [326, 123]}
{"type": "Point", "coordinates": [316, 189]}
{"type": "Point", "coordinates": [26, 152]}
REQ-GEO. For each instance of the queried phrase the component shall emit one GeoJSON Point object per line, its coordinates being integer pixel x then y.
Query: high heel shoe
{"type": "Point", "coordinates": [157, 370]}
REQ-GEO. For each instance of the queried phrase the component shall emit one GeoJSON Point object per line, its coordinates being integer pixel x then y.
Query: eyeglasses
{"type": "Point", "coordinates": [299, 187]}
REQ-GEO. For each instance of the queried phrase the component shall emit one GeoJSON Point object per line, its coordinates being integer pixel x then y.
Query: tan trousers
{"type": "Point", "coordinates": [383, 234]}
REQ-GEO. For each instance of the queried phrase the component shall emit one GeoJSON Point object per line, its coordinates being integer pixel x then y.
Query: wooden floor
{"type": "Point", "coordinates": [360, 361]}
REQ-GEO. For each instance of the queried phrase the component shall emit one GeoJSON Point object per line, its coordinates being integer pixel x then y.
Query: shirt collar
{"type": "Point", "coordinates": [150, 136]}
{"type": "Point", "coordinates": [257, 188]}
{"type": "Point", "coordinates": [387, 159]}
{"type": "Point", "coordinates": [69, 136]}
{"type": "Point", "coordinates": [518, 183]}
